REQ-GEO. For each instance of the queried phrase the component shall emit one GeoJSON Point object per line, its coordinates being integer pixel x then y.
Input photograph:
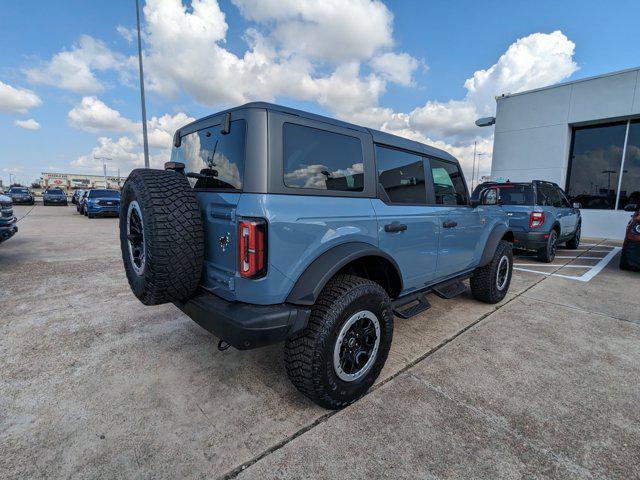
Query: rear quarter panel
{"type": "Point", "coordinates": [301, 228]}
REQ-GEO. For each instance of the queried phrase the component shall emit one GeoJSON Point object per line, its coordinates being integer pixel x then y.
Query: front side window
{"type": "Point", "coordinates": [401, 175]}
{"type": "Point", "coordinates": [215, 160]}
{"type": "Point", "coordinates": [448, 183]}
{"type": "Point", "coordinates": [321, 160]}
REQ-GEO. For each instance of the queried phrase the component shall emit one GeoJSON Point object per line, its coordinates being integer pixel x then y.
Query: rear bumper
{"type": "Point", "coordinates": [244, 325]}
{"type": "Point", "coordinates": [7, 231]}
{"type": "Point", "coordinates": [530, 240]}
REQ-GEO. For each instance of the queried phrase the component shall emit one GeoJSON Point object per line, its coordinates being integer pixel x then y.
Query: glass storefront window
{"type": "Point", "coordinates": [630, 186]}
{"type": "Point", "coordinates": [594, 165]}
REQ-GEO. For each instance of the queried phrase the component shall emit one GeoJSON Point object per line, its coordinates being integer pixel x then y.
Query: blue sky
{"type": "Point", "coordinates": [401, 67]}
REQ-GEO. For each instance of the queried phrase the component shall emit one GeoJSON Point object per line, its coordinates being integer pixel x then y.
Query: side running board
{"type": "Point", "coordinates": [449, 290]}
{"type": "Point", "coordinates": [412, 307]}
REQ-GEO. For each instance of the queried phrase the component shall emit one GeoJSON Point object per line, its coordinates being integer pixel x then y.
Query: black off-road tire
{"type": "Point", "coordinates": [485, 284]}
{"type": "Point", "coordinates": [624, 262]}
{"type": "Point", "coordinates": [173, 237]}
{"type": "Point", "coordinates": [547, 254]}
{"type": "Point", "coordinates": [309, 353]}
{"type": "Point", "coordinates": [575, 240]}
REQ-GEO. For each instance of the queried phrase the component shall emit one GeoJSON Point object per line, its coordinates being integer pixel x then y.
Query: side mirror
{"type": "Point", "coordinates": [577, 205]}
{"type": "Point", "coordinates": [631, 207]}
{"type": "Point", "coordinates": [489, 197]}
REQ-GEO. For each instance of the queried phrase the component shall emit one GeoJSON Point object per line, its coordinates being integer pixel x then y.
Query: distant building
{"type": "Point", "coordinates": [72, 181]}
{"type": "Point", "coordinates": [583, 135]}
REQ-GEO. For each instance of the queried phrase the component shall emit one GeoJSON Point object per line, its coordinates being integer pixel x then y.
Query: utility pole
{"type": "Point", "coordinates": [144, 108]}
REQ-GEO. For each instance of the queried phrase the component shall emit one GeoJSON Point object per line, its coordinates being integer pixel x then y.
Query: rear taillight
{"type": "Point", "coordinates": [252, 248]}
{"type": "Point", "coordinates": [536, 219]}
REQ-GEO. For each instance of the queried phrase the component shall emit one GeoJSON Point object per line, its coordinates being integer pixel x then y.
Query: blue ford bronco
{"type": "Point", "coordinates": [271, 224]}
{"type": "Point", "coordinates": [540, 215]}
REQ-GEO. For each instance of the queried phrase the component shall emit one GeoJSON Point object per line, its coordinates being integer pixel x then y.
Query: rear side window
{"type": "Point", "coordinates": [448, 183]}
{"type": "Point", "coordinates": [216, 159]}
{"type": "Point", "coordinates": [550, 196]}
{"type": "Point", "coordinates": [321, 160]}
{"type": "Point", "coordinates": [401, 174]}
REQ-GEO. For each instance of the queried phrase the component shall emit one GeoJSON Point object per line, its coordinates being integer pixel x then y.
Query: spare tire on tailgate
{"type": "Point", "coordinates": [161, 236]}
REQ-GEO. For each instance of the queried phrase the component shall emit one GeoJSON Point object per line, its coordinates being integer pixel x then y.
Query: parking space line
{"type": "Point", "coordinates": [592, 271]}
{"type": "Point", "coordinates": [580, 256]}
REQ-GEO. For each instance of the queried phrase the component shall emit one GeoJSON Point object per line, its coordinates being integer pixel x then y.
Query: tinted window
{"type": "Point", "coordinates": [55, 191]}
{"type": "Point", "coordinates": [401, 175]}
{"type": "Point", "coordinates": [630, 187]}
{"type": "Point", "coordinates": [595, 165]}
{"type": "Point", "coordinates": [18, 190]}
{"type": "Point", "coordinates": [104, 194]}
{"type": "Point", "coordinates": [448, 183]}
{"type": "Point", "coordinates": [516, 194]}
{"type": "Point", "coordinates": [549, 195]}
{"type": "Point", "coordinates": [218, 159]}
{"type": "Point", "coordinates": [321, 160]}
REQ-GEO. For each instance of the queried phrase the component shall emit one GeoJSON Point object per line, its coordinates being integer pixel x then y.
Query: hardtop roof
{"type": "Point", "coordinates": [378, 136]}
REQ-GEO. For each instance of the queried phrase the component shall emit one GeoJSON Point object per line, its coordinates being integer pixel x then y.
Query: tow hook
{"type": "Point", "coordinates": [222, 345]}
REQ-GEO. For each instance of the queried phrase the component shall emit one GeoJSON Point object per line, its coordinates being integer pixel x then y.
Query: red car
{"type": "Point", "coordinates": [630, 256]}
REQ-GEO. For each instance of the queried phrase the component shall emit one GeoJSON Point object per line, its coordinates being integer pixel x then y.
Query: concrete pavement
{"type": "Point", "coordinates": [94, 384]}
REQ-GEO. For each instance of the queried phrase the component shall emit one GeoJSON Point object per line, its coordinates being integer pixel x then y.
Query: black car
{"type": "Point", "coordinates": [8, 227]}
{"type": "Point", "coordinates": [21, 195]}
{"type": "Point", "coordinates": [630, 255]}
{"type": "Point", "coordinates": [54, 196]}
{"type": "Point", "coordinates": [76, 196]}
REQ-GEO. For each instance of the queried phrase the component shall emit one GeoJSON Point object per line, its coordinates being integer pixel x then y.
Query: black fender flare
{"type": "Point", "coordinates": [497, 234]}
{"type": "Point", "coordinates": [309, 285]}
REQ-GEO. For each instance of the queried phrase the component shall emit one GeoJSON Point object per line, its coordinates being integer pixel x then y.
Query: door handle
{"type": "Point", "coordinates": [395, 227]}
{"type": "Point", "coordinates": [449, 224]}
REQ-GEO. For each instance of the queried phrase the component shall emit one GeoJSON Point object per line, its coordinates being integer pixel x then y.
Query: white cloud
{"type": "Point", "coordinates": [17, 100]}
{"type": "Point", "coordinates": [127, 33]}
{"type": "Point", "coordinates": [533, 61]}
{"type": "Point", "coordinates": [304, 50]}
{"type": "Point", "coordinates": [395, 67]}
{"type": "Point", "coordinates": [332, 30]}
{"type": "Point", "coordinates": [75, 69]}
{"type": "Point", "coordinates": [93, 115]}
{"type": "Point", "coordinates": [29, 124]}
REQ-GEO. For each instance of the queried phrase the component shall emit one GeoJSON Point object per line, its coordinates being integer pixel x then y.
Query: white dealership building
{"type": "Point", "coordinates": [583, 135]}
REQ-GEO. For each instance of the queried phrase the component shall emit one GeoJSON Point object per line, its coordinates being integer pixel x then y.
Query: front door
{"type": "Point", "coordinates": [460, 224]}
{"type": "Point", "coordinates": [407, 227]}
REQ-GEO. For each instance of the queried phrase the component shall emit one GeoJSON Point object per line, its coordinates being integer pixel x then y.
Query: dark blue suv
{"type": "Point", "coordinates": [540, 215]}
{"type": "Point", "coordinates": [272, 224]}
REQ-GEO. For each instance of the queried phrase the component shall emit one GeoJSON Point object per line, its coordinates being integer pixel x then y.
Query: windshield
{"type": "Point", "coordinates": [54, 191]}
{"type": "Point", "coordinates": [104, 194]}
{"type": "Point", "coordinates": [213, 160]}
{"type": "Point", "coordinates": [19, 190]}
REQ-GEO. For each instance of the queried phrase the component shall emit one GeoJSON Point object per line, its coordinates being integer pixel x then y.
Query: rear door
{"type": "Point", "coordinates": [570, 214]}
{"type": "Point", "coordinates": [215, 166]}
{"type": "Point", "coordinates": [460, 224]}
{"type": "Point", "coordinates": [407, 227]}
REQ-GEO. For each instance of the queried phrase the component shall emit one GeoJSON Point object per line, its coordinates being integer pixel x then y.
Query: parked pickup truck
{"type": "Point", "coordinates": [271, 224]}
{"type": "Point", "coordinates": [8, 227]}
{"type": "Point", "coordinates": [540, 215]}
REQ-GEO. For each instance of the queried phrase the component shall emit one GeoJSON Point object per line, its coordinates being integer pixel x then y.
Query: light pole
{"type": "Point", "coordinates": [144, 108]}
{"type": "Point", "coordinates": [104, 168]}
{"type": "Point", "coordinates": [473, 172]}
